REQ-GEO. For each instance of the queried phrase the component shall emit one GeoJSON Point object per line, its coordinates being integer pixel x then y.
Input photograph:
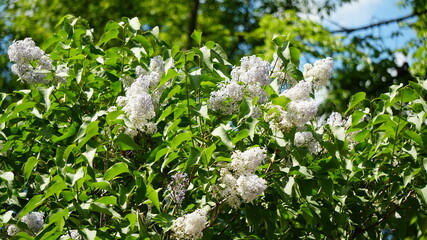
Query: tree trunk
{"type": "Point", "coordinates": [193, 21]}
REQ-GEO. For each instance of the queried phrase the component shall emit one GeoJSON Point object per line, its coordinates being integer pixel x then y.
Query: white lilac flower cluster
{"type": "Point", "coordinates": [34, 221]}
{"type": "Point", "coordinates": [32, 64]}
{"type": "Point", "coordinates": [71, 234]}
{"type": "Point", "coordinates": [320, 72]}
{"type": "Point", "coordinates": [246, 80]}
{"type": "Point", "coordinates": [299, 111]}
{"type": "Point", "coordinates": [12, 230]}
{"type": "Point", "coordinates": [142, 96]}
{"type": "Point", "coordinates": [240, 180]}
{"type": "Point", "coordinates": [190, 226]}
{"type": "Point", "coordinates": [302, 107]}
{"type": "Point", "coordinates": [306, 139]}
{"type": "Point", "coordinates": [177, 187]}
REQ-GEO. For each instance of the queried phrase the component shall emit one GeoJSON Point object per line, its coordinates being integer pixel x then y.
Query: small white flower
{"type": "Point", "coordinates": [12, 230]}
{"type": "Point", "coordinates": [34, 221]}
{"type": "Point", "coordinates": [301, 91]}
{"type": "Point", "coordinates": [31, 64]}
{"type": "Point", "coordinates": [247, 81]}
{"type": "Point", "coordinates": [71, 234]}
{"type": "Point", "coordinates": [61, 73]}
{"type": "Point", "coordinates": [190, 226]}
{"type": "Point", "coordinates": [335, 120]}
{"type": "Point", "coordinates": [250, 186]}
{"type": "Point", "coordinates": [303, 138]}
{"type": "Point", "coordinates": [252, 70]}
{"type": "Point", "coordinates": [228, 190]}
{"type": "Point", "coordinates": [142, 96]}
{"type": "Point", "coordinates": [248, 161]}
{"type": "Point", "coordinates": [319, 73]}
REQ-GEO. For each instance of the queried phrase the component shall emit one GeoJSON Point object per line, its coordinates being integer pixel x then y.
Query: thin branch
{"type": "Point", "coordinates": [388, 213]}
{"type": "Point", "coordinates": [400, 19]}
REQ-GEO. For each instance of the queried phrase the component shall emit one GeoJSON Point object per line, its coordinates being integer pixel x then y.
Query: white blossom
{"type": "Point", "coordinates": [250, 186]}
{"type": "Point", "coordinates": [302, 138]}
{"type": "Point", "coordinates": [229, 188]}
{"type": "Point", "coordinates": [300, 110]}
{"type": "Point", "coordinates": [61, 73]}
{"type": "Point", "coordinates": [226, 99]}
{"type": "Point", "coordinates": [319, 73]}
{"type": "Point", "coordinates": [31, 64]}
{"type": "Point", "coordinates": [24, 51]}
{"type": "Point", "coordinates": [306, 139]}
{"type": "Point", "coordinates": [335, 119]}
{"type": "Point", "coordinates": [12, 230]}
{"type": "Point", "coordinates": [248, 161]}
{"type": "Point", "coordinates": [142, 96]}
{"type": "Point", "coordinates": [71, 234]}
{"type": "Point", "coordinates": [252, 70]}
{"type": "Point", "coordinates": [34, 221]}
{"type": "Point", "coordinates": [190, 226]}
{"type": "Point", "coordinates": [301, 91]}
{"type": "Point", "coordinates": [246, 80]}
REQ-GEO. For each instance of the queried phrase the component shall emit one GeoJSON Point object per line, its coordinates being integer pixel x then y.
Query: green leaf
{"type": "Point", "coordinates": [126, 143]}
{"type": "Point", "coordinates": [197, 36]}
{"type": "Point", "coordinates": [360, 136]}
{"type": "Point", "coordinates": [166, 112]}
{"type": "Point", "coordinates": [355, 99]}
{"type": "Point", "coordinates": [115, 170]}
{"type": "Point", "coordinates": [29, 166]}
{"type": "Point", "coordinates": [407, 94]}
{"type": "Point", "coordinates": [252, 128]}
{"type": "Point", "coordinates": [89, 154]}
{"type": "Point", "coordinates": [46, 95]}
{"type": "Point", "coordinates": [72, 130]}
{"type": "Point", "coordinates": [79, 175]}
{"type": "Point", "coordinates": [186, 136]}
{"type": "Point", "coordinates": [153, 196]}
{"type": "Point", "coordinates": [207, 153]}
{"type": "Point", "coordinates": [202, 109]}
{"type": "Point", "coordinates": [59, 216]}
{"type": "Point", "coordinates": [292, 54]}
{"type": "Point", "coordinates": [281, 101]}
{"type": "Point", "coordinates": [91, 130]}
{"type": "Point", "coordinates": [68, 151]}
{"type": "Point", "coordinates": [192, 159]}
{"type": "Point", "coordinates": [107, 36]}
{"type": "Point", "coordinates": [241, 135]}
{"type": "Point", "coordinates": [8, 176]}
{"type": "Point", "coordinates": [195, 79]}
{"type": "Point", "coordinates": [279, 40]}
{"type": "Point", "coordinates": [155, 31]}
{"type": "Point", "coordinates": [222, 134]}
{"type": "Point", "coordinates": [423, 193]}
{"type": "Point", "coordinates": [207, 57]}
{"type": "Point", "coordinates": [135, 24]}
{"type": "Point", "coordinates": [56, 188]}
{"type": "Point", "coordinates": [107, 200]}
{"type": "Point", "coordinates": [33, 203]}
{"type": "Point", "coordinates": [414, 137]}
{"type": "Point", "coordinates": [411, 150]}
{"type": "Point", "coordinates": [102, 208]}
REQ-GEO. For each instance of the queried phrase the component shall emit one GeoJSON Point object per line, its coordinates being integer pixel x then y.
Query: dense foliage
{"type": "Point", "coordinates": [124, 137]}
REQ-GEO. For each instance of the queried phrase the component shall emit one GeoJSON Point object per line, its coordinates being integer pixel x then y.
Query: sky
{"type": "Point", "coordinates": [365, 12]}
